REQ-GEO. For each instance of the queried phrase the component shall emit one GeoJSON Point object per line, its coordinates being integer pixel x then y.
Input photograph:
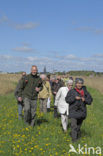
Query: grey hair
{"type": "Point", "coordinates": [69, 82]}
{"type": "Point", "coordinates": [79, 80]}
{"type": "Point", "coordinates": [43, 76]}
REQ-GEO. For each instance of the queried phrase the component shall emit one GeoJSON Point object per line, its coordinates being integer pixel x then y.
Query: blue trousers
{"type": "Point", "coordinates": [20, 108]}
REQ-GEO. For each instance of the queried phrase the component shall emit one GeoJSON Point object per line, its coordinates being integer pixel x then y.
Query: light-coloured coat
{"type": "Point", "coordinates": [46, 91]}
{"type": "Point", "coordinates": [60, 102]}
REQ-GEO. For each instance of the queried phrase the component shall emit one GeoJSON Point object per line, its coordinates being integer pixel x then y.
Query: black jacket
{"type": "Point", "coordinates": [56, 86]}
{"type": "Point", "coordinates": [77, 108]}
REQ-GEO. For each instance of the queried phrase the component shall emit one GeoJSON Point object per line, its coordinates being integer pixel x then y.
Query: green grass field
{"type": "Point", "coordinates": [47, 137]}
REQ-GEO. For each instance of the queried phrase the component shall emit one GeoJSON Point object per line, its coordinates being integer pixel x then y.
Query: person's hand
{"type": "Point", "coordinates": [37, 89]}
{"type": "Point", "coordinates": [20, 99]}
{"type": "Point", "coordinates": [77, 97]}
{"type": "Point", "coordinates": [83, 99]}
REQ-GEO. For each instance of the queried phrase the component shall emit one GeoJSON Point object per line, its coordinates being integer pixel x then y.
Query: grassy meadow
{"type": "Point", "coordinates": [8, 82]}
{"type": "Point", "coordinates": [47, 137]}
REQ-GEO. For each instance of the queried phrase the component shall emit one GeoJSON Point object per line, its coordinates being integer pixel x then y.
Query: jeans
{"type": "Point", "coordinates": [20, 108]}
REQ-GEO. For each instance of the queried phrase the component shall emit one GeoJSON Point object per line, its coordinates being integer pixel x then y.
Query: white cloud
{"type": "Point", "coordinates": [25, 44]}
{"type": "Point", "coordinates": [70, 56]}
{"type": "Point", "coordinates": [30, 25]}
{"type": "Point", "coordinates": [18, 26]}
{"type": "Point", "coordinates": [5, 57]}
{"type": "Point", "coordinates": [24, 48]}
{"type": "Point", "coordinates": [85, 29]}
{"type": "Point", "coordinates": [98, 55]}
{"type": "Point", "coordinates": [61, 64]}
{"type": "Point", "coordinates": [90, 29]}
{"type": "Point", "coordinates": [3, 19]}
{"type": "Point", "coordinates": [32, 58]}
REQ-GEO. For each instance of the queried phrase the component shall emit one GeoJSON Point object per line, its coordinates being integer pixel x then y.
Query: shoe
{"type": "Point", "coordinates": [20, 117]}
{"type": "Point", "coordinates": [48, 109]}
{"type": "Point", "coordinates": [75, 140]}
{"type": "Point", "coordinates": [65, 131]}
{"type": "Point", "coordinates": [32, 123]}
{"type": "Point", "coordinates": [79, 134]}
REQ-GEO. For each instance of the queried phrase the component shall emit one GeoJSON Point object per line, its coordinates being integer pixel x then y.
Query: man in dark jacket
{"type": "Point", "coordinates": [77, 99]}
{"type": "Point", "coordinates": [60, 81]}
{"type": "Point", "coordinates": [56, 85]}
{"type": "Point", "coordinates": [28, 92]}
{"type": "Point", "coordinates": [20, 103]}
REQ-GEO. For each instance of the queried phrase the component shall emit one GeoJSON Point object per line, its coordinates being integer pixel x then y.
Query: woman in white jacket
{"type": "Point", "coordinates": [62, 106]}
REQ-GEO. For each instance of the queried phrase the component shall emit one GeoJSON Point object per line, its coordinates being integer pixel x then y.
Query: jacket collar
{"type": "Point", "coordinates": [33, 75]}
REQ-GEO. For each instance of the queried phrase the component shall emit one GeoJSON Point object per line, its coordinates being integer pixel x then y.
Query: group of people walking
{"type": "Point", "coordinates": [70, 99]}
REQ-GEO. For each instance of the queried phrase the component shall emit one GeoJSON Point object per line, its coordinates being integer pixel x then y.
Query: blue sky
{"type": "Point", "coordinates": [61, 34]}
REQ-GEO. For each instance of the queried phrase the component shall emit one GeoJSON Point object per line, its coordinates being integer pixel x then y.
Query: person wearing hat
{"type": "Point", "coordinates": [77, 99]}
{"type": "Point", "coordinates": [62, 106]}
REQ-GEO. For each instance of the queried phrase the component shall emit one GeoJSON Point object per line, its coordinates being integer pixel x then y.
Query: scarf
{"type": "Point", "coordinates": [81, 92]}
